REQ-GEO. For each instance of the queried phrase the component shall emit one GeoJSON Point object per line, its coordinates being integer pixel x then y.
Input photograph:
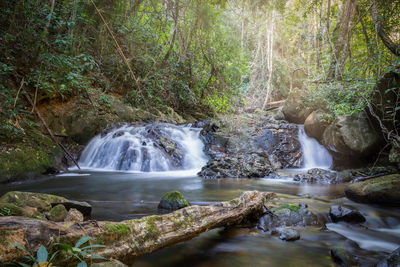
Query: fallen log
{"type": "Point", "coordinates": [131, 238]}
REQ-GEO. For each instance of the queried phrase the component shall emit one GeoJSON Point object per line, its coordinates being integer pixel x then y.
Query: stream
{"type": "Point", "coordinates": [119, 195]}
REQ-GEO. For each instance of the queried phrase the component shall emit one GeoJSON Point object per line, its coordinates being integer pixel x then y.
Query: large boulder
{"type": "Point", "coordinates": [43, 202]}
{"type": "Point", "coordinates": [382, 190]}
{"type": "Point", "coordinates": [315, 125]}
{"type": "Point", "coordinates": [352, 136]}
{"type": "Point", "coordinates": [294, 110]}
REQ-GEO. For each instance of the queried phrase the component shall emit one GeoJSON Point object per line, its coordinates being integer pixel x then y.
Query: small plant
{"type": "Point", "coordinates": [6, 212]}
{"type": "Point", "coordinates": [81, 252]}
{"type": "Point", "coordinates": [41, 259]}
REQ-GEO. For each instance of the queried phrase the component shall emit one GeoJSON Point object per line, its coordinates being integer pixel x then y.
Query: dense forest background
{"type": "Point", "coordinates": [196, 56]}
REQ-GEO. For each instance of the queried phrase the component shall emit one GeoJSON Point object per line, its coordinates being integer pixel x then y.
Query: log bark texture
{"type": "Point", "coordinates": [131, 238]}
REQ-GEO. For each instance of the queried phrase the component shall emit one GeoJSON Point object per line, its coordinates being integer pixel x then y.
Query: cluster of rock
{"type": "Point", "coordinates": [45, 207]}
{"type": "Point", "coordinates": [284, 221]}
{"type": "Point", "coordinates": [249, 145]}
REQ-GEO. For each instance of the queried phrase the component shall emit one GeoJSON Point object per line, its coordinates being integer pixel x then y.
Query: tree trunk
{"type": "Point", "coordinates": [395, 49]}
{"type": "Point", "coordinates": [342, 44]}
{"type": "Point", "coordinates": [129, 239]}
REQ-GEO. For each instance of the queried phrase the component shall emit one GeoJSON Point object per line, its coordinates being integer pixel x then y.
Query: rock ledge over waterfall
{"type": "Point", "coordinates": [249, 145]}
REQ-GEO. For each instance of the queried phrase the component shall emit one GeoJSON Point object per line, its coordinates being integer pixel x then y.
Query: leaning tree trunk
{"type": "Point", "coordinates": [131, 238]}
{"type": "Point", "coordinates": [395, 49]}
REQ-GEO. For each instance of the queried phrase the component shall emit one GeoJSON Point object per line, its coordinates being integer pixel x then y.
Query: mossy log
{"type": "Point", "coordinates": [131, 238]}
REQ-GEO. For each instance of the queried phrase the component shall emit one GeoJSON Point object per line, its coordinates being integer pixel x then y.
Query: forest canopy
{"type": "Point", "coordinates": [214, 55]}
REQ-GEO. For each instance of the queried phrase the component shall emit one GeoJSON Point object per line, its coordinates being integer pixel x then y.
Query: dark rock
{"type": "Point", "coordinates": [342, 256]}
{"type": "Point", "coordinates": [288, 215]}
{"type": "Point", "coordinates": [118, 134]}
{"type": "Point", "coordinates": [314, 125]}
{"type": "Point", "coordinates": [339, 213]}
{"type": "Point", "coordinates": [286, 234]}
{"type": "Point", "coordinates": [58, 213]}
{"type": "Point", "coordinates": [173, 200]}
{"type": "Point", "coordinates": [248, 146]}
{"type": "Point", "coordinates": [317, 176]}
{"type": "Point", "coordinates": [393, 260]}
{"type": "Point", "coordinates": [383, 190]}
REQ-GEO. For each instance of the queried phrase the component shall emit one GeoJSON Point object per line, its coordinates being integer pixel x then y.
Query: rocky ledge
{"type": "Point", "coordinates": [249, 145]}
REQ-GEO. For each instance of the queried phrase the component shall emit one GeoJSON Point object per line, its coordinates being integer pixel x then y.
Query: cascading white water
{"type": "Point", "coordinates": [150, 148]}
{"type": "Point", "coordinates": [314, 154]}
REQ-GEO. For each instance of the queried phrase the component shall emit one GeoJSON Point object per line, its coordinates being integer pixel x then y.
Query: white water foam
{"type": "Point", "coordinates": [314, 154]}
{"type": "Point", "coordinates": [133, 149]}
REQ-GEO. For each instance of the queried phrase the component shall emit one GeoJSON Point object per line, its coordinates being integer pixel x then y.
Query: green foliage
{"type": "Point", "coordinates": [79, 252]}
{"type": "Point", "coordinates": [40, 259]}
{"type": "Point", "coordinates": [5, 212]}
{"type": "Point", "coordinates": [219, 104]}
{"type": "Point", "coordinates": [339, 98]}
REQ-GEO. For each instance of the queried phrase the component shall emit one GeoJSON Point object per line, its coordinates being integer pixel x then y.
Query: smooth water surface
{"type": "Point", "coordinates": [118, 196]}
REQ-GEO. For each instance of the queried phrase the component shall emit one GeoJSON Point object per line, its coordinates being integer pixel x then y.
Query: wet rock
{"type": "Point", "coordinates": [343, 214]}
{"type": "Point", "coordinates": [351, 136]}
{"type": "Point", "coordinates": [161, 138]}
{"type": "Point", "coordinates": [249, 145]}
{"type": "Point", "coordinates": [314, 125]}
{"type": "Point", "coordinates": [317, 176]}
{"type": "Point", "coordinates": [393, 260]}
{"type": "Point", "coordinates": [74, 215]}
{"type": "Point", "coordinates": [342, 256]}
{"type": "Point", "coordinates": [173, 200]}
{"type": "Point", "coordinates": [286, 234]}
{"type": "Point", "coordinates": [58, 213]}
{"type": "Point", "coordinates": [118, 134]}
{"type": "Point", "coordinates": [383, 190]}
{"type": "Point", "coordinates": [288, 215]}
{"type": "Point", "coordinates": [43, 202]}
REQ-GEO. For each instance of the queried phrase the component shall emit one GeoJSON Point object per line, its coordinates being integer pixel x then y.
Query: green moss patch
{"type": "Point", "coordinates": [117, 228]}
{"type": "Point", "coordinates": [291, 207]}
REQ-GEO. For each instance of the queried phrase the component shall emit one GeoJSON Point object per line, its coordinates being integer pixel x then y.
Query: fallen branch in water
{"type": "Point", "coordinates": [131, 238]}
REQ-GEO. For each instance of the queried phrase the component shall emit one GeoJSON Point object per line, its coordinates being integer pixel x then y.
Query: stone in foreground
{"type": "Point", "coordinates": [173, 200]}
{"type": "Point", "coordinates": [343, 214]}
{"type": "Point", "coordinates": [383, 190]}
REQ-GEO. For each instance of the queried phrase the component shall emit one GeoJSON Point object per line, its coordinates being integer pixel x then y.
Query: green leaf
{"type": "Point", "coordinates": [64, 246]}
{"type": "Point", "coordinates": [81, 241]}
{"type": "Point", "coordinates": [41, 254]}
{"type": "Point", "coordinates": [53, 256]}
{"type": "Point", "coordinates": [94, 246]}
{"type": "Point", "coordinates": [18, 247]}
{"type": "Point", "coordinates": [23, 264]}
{"type": "Point", "coordinates": [82, 264]}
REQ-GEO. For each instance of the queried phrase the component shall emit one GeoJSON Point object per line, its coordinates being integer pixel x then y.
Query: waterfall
{"type": "Point", "coordinates": [314, 154]}
{"type": "Point", "coordinates": [150, 148]}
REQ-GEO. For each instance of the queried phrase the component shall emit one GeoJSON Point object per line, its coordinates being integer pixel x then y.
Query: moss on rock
{"type": "Point", "coordinates": [173, 200]}
{"type": "Point", "coordinates": [58, 213]}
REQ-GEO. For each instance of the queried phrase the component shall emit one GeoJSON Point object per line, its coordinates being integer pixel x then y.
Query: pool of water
{"type": "Point", "coordinates": [118, 196]}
